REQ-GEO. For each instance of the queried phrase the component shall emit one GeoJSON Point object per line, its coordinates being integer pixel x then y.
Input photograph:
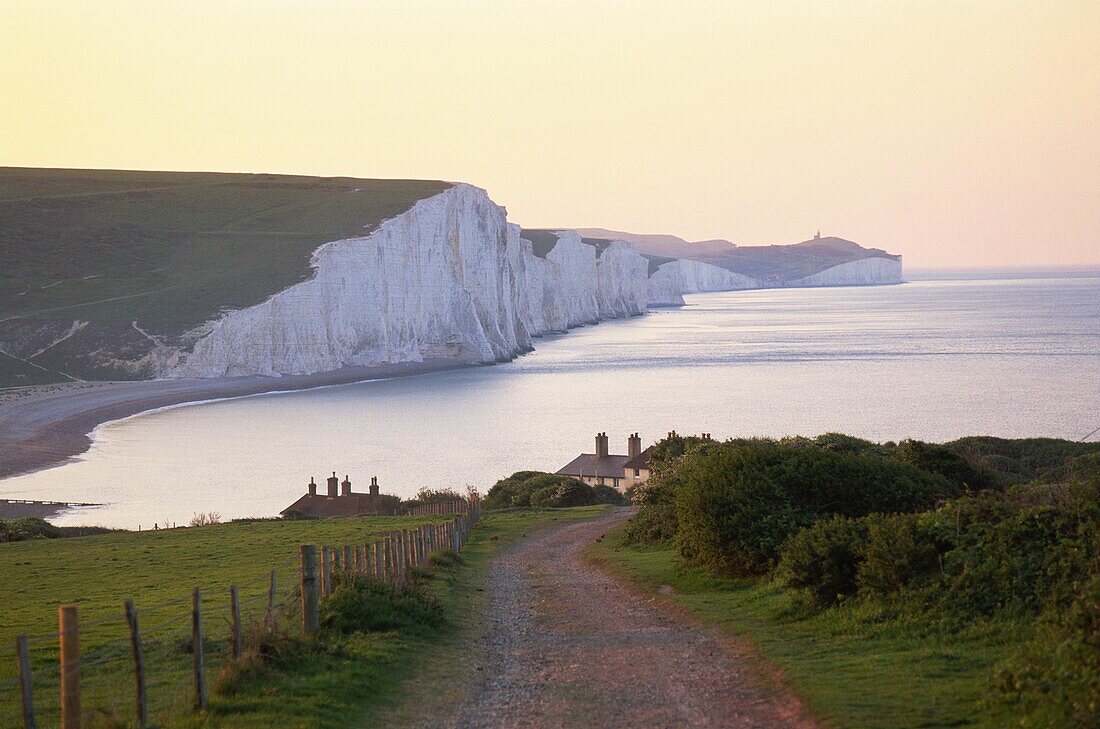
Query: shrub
{"type": "Point", "coordinates": [1054, 680]}
{"type": "Point", "coordinates": [732, 514]}
{"type": "Point", "coordinates": [737, 503]}
{"type": "Point", "coordinates": [535, 488]}
{"type": "Point", "coordinates": [652, 525]}
{"type": "Point", "coordinates": [941, 460]}
{"type": "Point", "coordinates": [361, 605]}
{"type": "Point", "coordinates": [607, 495]}
{"type": "Point", "coordinates": [563, 494]}
{"type": "Point", "coordinates": [1018, 558]}
{"type": "Point", "coordinates": [897, 553]}
{"type": "Point", "coordinates": [825, 558]}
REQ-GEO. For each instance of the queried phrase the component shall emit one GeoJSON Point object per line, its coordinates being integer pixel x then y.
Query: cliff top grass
{"type": "Point", "coordinates": [171, 249]}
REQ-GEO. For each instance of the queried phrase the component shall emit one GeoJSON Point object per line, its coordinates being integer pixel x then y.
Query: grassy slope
{"type": "Point", "coordinates": [180, 245]}
{"type": "Point", "coordinates": [169, 250]}
{"type": "Point", "coordinates": [854, 666]}
{"type": "Point", "coordinates": [787, 263]}
{"type": "Point", "coordinates": [158, 570]}
{"type": "Point", "coordinates": [391, 679]}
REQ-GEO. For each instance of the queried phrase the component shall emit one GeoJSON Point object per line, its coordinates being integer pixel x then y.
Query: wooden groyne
{"type": "Point", "coordinates": [19, 508]}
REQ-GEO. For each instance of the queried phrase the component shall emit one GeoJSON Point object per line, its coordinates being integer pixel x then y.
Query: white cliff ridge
{"type": "Point", "coordinates": [672, 280]}
{"type": "Point", "coordinates": [870, 271]}
{"type": "Point", "coordinates": [451, 278]}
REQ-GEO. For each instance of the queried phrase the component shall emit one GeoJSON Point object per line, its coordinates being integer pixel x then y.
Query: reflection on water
{"type": "Point", "coordinates": [932, 359]}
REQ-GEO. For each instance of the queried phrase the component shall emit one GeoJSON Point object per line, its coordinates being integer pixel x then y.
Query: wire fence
{"type": "Point", "coordinates": [151, 664]}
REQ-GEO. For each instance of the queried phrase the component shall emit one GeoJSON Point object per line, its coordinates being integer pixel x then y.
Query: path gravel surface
{"type": "Point", "coordinates": [570, 646]}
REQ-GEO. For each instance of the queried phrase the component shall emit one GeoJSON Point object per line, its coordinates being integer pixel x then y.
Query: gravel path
{"type": "Point", "coordinates": [571, 646]}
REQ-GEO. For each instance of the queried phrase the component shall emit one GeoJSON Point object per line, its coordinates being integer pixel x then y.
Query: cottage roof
{"type": "Point", "coordinates": [641, 460]}
{"type": "Point", "coordinates": [589, 464]}
{"type": "Point", "coordinates": [323, 506]}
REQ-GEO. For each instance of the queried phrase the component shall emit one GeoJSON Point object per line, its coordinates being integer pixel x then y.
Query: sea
{"type": "Point", "coordinates": [947, 354]}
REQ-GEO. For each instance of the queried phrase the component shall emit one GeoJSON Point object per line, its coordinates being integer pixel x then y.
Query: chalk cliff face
{"type": "Point", "coordinates": [448, 278]}
{"type": "Point", "coordinates": [673, 279]}
{"type": "Point", "coordinates": [451, 278]}
{"type": "Point", "coordinates": [864, 272]}
{"type": "Point", "coordinates": [434, 281]}
{"type": "Point", "coordinates": [621, 281]}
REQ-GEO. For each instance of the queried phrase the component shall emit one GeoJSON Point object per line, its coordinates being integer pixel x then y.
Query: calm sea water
{"type": "Point", "coordinates": [930, 359]}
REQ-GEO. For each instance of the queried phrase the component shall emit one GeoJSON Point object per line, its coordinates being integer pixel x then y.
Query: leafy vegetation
{"type": "Point", "coordinates": [918, 537]}
{"type": "Point", "coordinates": [547, 490]}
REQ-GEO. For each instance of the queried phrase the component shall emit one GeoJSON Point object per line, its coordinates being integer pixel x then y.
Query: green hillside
{"type": "Point", "coordinates": [167, 250]}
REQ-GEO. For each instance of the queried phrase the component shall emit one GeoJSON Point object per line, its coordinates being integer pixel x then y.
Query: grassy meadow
{"type": "Point", "coordinates": [157, 570]}
{"type": "Point", "coordinates": [365, 678]}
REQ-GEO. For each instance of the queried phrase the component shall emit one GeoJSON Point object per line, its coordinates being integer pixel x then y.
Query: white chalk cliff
{"type": "Point", "coordinates": [449, 278]}
{"type": "Point", "coordinates": [672, 280]}
{"type": "Point", "coordinates": [870, 271]}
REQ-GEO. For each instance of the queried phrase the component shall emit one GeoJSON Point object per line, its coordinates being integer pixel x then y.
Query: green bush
{"type": "Point", "coordinates": [562, 494]}
{"type": "Point", "coordinates": [607, 495]}
{"type": "Point", "coordinates": [1054, 681]}
{"type": "Point", "coordinates": [535, 488]}
{"type": "Point", "coordinates": [732, 514]}
{"type": "Point", "coordinates": [362, 605]}
{"type": "Point", "coordinates": [737, 504]}
{"type": "Point", "coordinates": [824, 559]}
{"type": "Point", "coordinates": [941, 460]}
{"type": "Point", "coordinates": [652, 525]}
{"type": "Point", "coordinates": [898, 553]}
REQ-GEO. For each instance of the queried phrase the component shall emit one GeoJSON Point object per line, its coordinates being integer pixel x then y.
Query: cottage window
{"type": "Point", "coordinates": [637, 472]}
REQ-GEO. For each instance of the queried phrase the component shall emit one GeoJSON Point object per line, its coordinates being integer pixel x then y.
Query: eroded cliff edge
{"type": "Point", "coordinates": [450, 278]}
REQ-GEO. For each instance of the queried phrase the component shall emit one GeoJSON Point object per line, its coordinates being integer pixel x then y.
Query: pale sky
{"type": "Point", "coordinates": [956, 133]}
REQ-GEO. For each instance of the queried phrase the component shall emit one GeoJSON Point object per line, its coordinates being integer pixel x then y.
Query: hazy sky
{"type": "Point", "coordinates": [957, 133]}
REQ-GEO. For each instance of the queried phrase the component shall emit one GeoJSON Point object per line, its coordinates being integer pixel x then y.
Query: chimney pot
{"type": "Point", "coordinates": [333, 485]}
{"type": "Point", "coordinates": [312, 487]}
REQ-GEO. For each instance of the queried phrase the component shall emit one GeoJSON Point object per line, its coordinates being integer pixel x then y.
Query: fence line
{"type": "Point", "coordinates": [155, 667]}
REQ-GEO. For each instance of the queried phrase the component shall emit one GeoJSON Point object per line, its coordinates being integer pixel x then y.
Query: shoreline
{"type": "Point", "coordinates": [47, 426]}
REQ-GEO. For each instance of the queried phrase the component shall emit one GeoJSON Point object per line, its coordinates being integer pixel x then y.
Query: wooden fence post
{"type": "Point", "coordinates": [379, 561]}
{"type": "Point", "coordinates": [69, 635]}
{"type": "Point", "coordinates": [269, 616]}
{"type": "Point", "coordinates": [235, 607]}
{"type": "Point", "coordinates": [346, 562]}
{"type": "Point", "coordinates": [139, 663]}
{"type": "Point", "coordinates": [311, 617]}
{"type": "Point", "coordinates": [197, 649]}
{"type": "Point", "coordinates": [325, 586]}
{"type": "Point", "coordinates": [26, 686]}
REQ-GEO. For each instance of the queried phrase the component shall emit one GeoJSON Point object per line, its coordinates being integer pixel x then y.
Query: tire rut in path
{"type": "Point", "coordinates": [570, 646]}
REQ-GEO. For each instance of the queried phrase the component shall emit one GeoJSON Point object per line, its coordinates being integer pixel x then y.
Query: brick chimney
{"type": "Point", "coordinates": [345, 486]}
{"type": "Point", "coordinates": [333, 485]}
{"type": "Point", "coordinates": [601, 445]}
{"type": "Point", "coordinates": [633, 445]}
{"type": "Point", "coordinates": [312, 487]}
{"type": "Point", "coordinates": [374, 486]}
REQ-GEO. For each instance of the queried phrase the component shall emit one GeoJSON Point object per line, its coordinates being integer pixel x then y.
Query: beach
{"type": "Point", "coordinates": [47, 425]}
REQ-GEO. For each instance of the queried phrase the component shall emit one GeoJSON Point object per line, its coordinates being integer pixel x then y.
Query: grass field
{"type": "Point", "coordinates": [855, 666]}
{"type": "Point", "coordinates": [367, 677]}
{"type": "Point", "coordinates": [158, 570]}
{"type": "Point", "coordinates": [168, 250]}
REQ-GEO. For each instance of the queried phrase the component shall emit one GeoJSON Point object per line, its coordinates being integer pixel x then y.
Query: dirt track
{"type": "Point", "coordinates": [570, 646]}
